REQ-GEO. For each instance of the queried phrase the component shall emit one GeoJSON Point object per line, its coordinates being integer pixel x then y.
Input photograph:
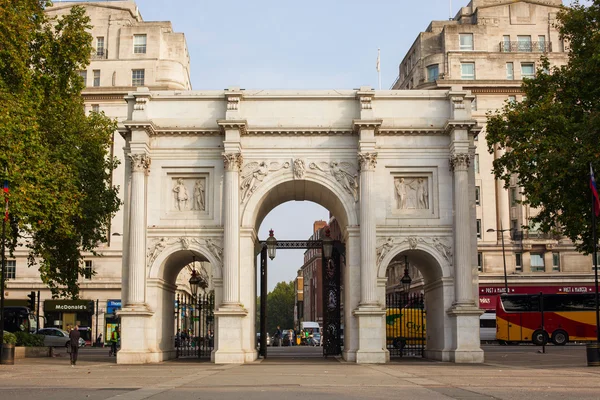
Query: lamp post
{"type": "Point", "coordinates": [271, 245]}
{"type": "Point", "coordinates": [327, 244]}
{"type": "Point", "coordinates": [501, 231]}
{"type": "Point", "coordinates": [406, 279]}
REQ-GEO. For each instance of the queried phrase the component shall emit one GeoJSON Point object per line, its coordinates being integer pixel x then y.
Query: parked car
{"type": "Point", "coordinates": [258, 339]}
{"type": "Point", "coordinates": [317, 339]}
{"type": "Point", "coordinates": [54, 337]}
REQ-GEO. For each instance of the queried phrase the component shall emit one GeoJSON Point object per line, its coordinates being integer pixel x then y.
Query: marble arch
{"type": "Point", "coordinates": [205, 167]}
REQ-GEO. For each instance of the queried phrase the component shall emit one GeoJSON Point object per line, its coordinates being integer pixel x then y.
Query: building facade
{"type": "Point", "coordinates": [128, 52]}
{"type": "Point", "coordinates": [488, 48]}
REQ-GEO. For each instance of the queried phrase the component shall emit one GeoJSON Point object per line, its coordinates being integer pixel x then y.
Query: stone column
{"type": "Point", "coordinates": [368, 294]}
{"type": "Point", "coordinates": [140, 164]}
{"type": "Point", "coordinates": [463, 278]}
{"type": "Point", "coordinates": [231, 228]}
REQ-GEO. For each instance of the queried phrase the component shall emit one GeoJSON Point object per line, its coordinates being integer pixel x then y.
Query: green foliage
{"type": "Point", "coordinates": [553, 135]}
{"type": "Point", "coordinates": [29, 340]}
{"type": "Point", "coordinates": [9, 338]}
{"type": "Point", "coordinates": [57, 158]}
{"type": "Point", "coordinates": [280, 307]}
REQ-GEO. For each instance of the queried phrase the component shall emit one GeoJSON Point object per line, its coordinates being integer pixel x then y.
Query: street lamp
{"type": "Point", "coordinates": [327, 244]}
{"type": "Point", "coordinates": [406, 279]}
{"type": "Point", "coordinates": [271, 245]}
{"type": "Point", "coordinates": [501, 231]}
{"type": "Point", "coordinates": [196, 280]}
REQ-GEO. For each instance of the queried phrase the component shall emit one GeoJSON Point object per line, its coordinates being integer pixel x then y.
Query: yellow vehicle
{"type": "Point", "coordinates": [405, 326]}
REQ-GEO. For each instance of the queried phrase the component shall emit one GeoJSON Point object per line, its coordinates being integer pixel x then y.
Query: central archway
{"type": "Point", "coordinates": [327, 192]}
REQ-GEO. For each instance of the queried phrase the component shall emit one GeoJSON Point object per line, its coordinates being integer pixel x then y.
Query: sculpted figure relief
{"type": "Point", "coordinates": [343, 173]}
{"type": "Point", "coordinates": [299, 168]}
{"type": "Point", "coordinates": [199, 196]}
{"type": "Point", "coordinates": [253, 174]}
{"type": "Point", "coordinates": [181, 195]}
{"type": "Point", "coordinates": [411, 193]}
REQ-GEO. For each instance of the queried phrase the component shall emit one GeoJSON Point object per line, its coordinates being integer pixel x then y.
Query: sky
{"type": "Point", "coordinates": [285, 44]}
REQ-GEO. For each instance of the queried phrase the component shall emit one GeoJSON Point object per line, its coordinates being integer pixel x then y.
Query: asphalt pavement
{"type": "Point", "coordinates": [509, 372]}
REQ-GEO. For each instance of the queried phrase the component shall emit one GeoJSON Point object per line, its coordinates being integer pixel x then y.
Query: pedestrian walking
{"type": "Point", "coordinates": [74, 336]}
{"type": "Point", "coordinates": [114, 340]}
{"type": "Point", "coordinates": [278, 336]}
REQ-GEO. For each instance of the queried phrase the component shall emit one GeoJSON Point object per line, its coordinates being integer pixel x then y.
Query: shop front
{"type": "Point", "coordinates": [489, 294]}
{"type": "Point", "coordinates": [111, 320]}
{"type": "Point", "coordinates": [65, 314]}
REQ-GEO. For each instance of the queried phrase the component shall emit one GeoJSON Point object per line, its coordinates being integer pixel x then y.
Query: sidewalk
{"type": "Point", "coordinates": [509, 373]}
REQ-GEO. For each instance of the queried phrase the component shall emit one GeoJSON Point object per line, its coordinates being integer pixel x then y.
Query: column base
{"type": "Point", "coordinates": [371, 335]}
{"type": "Point", "coordinates": [134, 337]}
{"type": "Point", "coordinates": [349, 356]}
{"type": "Point", "coordinates": [465, 324]}
{"type": "Point", "coordinates": [229, 336]}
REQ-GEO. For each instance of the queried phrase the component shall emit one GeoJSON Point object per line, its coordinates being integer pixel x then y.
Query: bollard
{"type": "Point", "coordinates": [593, 354]}
{"type": "Point", "coordinates": [8, 354]}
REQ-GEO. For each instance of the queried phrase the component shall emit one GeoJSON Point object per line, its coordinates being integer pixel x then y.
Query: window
{"type": "Point", "coordinates": [96, 77]}
{"type": "Point", "coordinates": [433, 71]}
{"type": "Point", "coordinates": [510, 71]}
{"type": "Point", "coordinates": [537, 262]}
{"type": "Point", "coordinates": [100, 46]}
{"type": "Point", "coordinates": [83, 75]}
{"type": "Point", "coordinates": [555, 262]}
{"type": "Point", "coordinates": [139, 44]}
{"type": "Point", "coordinates": [479, 262]}
{"type": "Point", "coordinates": [11, 269]}
{"type": "Point", "coordinates": [513, 196]}
{"type": "Point", "coordinates": [506, 43]}
{"type": "Point", "coordinates": [518, 262]}
{"type": "Point", "coordinates": [467, 70]}
{"type": "Point", "coordinates": [89, 270]}
{"type": "Point", "coordinates": [137, 77]}
{"type": "Point", "coordinates": [476, 163]}
{"type": "Point", "coordinates": [542, 43]}
{"type": "Point", "coordinates": [512, 99]}
{"type": "Point", "coordinates": [466, 41]}
{"type": "Point", "coordinates": [477, 195]}
{"type": "Point", "coordinates": [478, 229]}
{"type": "Point", "coordinates": [524, 43]}
{"type": "Point", "coordinates": [527, 70]}
{"type": "Point", "coordinates": [96, 108]}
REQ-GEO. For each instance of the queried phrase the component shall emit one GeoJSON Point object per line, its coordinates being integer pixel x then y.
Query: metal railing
{"type": "Point", "coordinates": [99, 54]}
{"type": "Point", "coordinates": [525, 47]}
{"type": "Point", "coordinates": [405, 324]}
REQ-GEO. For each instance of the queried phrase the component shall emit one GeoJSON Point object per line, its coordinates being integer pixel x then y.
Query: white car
{"type": "Point", "coordinates": [54, 337]}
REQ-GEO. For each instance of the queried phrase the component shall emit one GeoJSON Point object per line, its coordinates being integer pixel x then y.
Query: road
{"type": "Point", "coordinates": [510, 372]}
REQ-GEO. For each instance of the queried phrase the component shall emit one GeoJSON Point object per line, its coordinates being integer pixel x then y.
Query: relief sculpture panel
{"type": "Point", "coordinates": [189, 194]}
{"type": "Point", "coordinates": [412, 193]}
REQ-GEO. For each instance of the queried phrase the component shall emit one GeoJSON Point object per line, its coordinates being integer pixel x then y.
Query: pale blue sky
{"type": "Point", "coordinates": [305, 44]}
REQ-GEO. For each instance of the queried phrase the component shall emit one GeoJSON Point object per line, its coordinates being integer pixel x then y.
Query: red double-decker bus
{"type": "Point", "coordinates": [567, 317]}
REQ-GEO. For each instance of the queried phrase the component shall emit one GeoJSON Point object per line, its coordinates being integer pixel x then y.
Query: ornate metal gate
{"type": "Point", "coordinates": [332, 344]}
{"type": "Point", "coordinates": [405, 324]}
{"type": "Point", "coordinates": [194, 321]}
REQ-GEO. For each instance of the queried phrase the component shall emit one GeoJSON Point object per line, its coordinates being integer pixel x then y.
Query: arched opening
{"type": "Point", "coordinates": [430, 278]}
{"type": "Point", "coordinates": [342, 209]}
{"type": "Point", "coordinates": [177, 309]}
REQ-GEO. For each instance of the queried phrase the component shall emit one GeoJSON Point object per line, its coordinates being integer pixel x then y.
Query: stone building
{"type": "Point", "coordinates": [488, 48]}
{"type": "Point", "coordinates": [128, 52]}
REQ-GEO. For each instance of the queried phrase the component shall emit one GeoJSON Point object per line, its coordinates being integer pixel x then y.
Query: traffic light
{"type": "Point", "coordinates": [31, 301]}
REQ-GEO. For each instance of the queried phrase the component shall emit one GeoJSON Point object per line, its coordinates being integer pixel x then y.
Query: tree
{"type": "Point", "coordinates": [280, 307]}
{"type": "Point", "coordinates": [57, 158]}
{"type": "Point", "coordinates": [552, 136]}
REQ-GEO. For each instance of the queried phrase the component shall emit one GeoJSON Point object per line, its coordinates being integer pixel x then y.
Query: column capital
{"type": "Point", "coordinates": [140, 162]}
{"type": "Point", "coordinates": [367, 161]}
{"type": "Point", "coordinates": [233, 161]}
{"type": "Point", "coordinates": [459, 161]}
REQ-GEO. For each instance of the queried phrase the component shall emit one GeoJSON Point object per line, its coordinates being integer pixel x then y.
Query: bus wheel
{"type": "Point", "coordinates": [539, 337]}
{"type": "Point", "coordinates": [560, 337]}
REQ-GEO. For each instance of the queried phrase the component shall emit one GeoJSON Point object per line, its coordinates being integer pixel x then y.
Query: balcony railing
{"type": "Point", "coordinates": [99, 54]}
{"type": "Point", "coordinates": [525, 47]}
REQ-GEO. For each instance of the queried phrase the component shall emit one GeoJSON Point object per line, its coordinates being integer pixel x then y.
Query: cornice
{"type": "Point", "coordinates": [410, 131]}
{"type": "Point", "coordinates": [358, 124]}
{"type": "Point", "coordinates": [300, 132]}
{"type": "Point", "coordinates": [240, 124]}
{"type": "Point", "coordinates": [148, 126]}
{"type": "Point", "coordinates": [469, 125]}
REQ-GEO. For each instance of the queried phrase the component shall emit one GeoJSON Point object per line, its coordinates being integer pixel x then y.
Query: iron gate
{"type": "Point", "coordinates": [405, 324]}
{"type": "Point", "coordinates": [195, 322]}
{"type": "Point", "coordinates": [332, 345]}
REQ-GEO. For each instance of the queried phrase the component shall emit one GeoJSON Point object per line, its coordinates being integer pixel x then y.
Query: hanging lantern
{"type": "Point", "coordinates": [271, 245]}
